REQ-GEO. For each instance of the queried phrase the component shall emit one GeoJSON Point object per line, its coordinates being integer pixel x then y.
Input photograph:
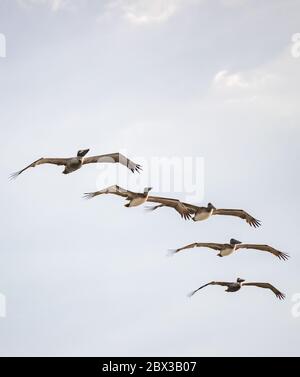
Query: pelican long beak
{"type": "Point", "coordinates": [235, 242]}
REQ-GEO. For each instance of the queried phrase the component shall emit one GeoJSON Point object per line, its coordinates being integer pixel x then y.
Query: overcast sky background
{"type": "Point", "coordinates": [212, 79]}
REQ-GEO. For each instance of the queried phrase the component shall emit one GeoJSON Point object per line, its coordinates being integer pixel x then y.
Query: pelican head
{"type": "Point", "coordinates": [239, 280]}
{"type": "Point", "coordinates": [82, 152]}
{"type": "Point", "coordinates": [147, 189]}
{"type": "Point", "coordinates": [210, 206]}
{"type": "Point", "coordinates": [234, 242]}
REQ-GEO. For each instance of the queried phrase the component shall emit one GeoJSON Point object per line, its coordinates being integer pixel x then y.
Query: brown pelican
{"type": "Point", "coordinates": [203, 213]}
{"type": "Point", "coordinates": [236, 286]}
{"type": "Point", "coordinates": [135, 198]}
{"type": "Point", "coordinates": [74, 163]}
{"type": "Point", "coordinates": [226, 249]}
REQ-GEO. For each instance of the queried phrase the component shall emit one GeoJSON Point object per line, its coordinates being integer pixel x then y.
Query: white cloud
{"type": "Point", "coordinates": [251, 80]}
{"type": "Point", "coordinates": [144, 12]}
{"type": "Point", "coordinates": [274, 85]}
{"type": "Point", "coordinates": [141, 12]}
{"type": "Point", "coordinates": [224, 79]}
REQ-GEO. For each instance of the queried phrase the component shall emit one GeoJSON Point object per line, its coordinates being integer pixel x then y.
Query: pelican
{"type": "Point", "coordinates": [204, 213]}
{"type": "Point", "coordinates": [74, 163]}
{"type": "Point", "coordinates": [135, 198]}
{"type": "Point", "coordinates": [226, 249]}
{"type": "Point", "coordinates": [236, 286]}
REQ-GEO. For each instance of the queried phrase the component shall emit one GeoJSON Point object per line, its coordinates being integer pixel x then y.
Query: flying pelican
{"type": "Point", "coordinates": [204, 213]}
{"type": "Point", "coordinates": [135, 198]}
{"type": "Point", "coordinates": [74, 163]}
{"type": "Point", "coordinates": [236, 286]}
{"type": "Point", "coordinates": [226, 249]}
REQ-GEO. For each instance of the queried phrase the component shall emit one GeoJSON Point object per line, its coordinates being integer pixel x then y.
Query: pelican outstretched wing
{"type": "Point", "coordinates": [267, 248]}
{"type": "Point", "coordinates": [113, 158]}
{"type": "Point", "coordinates": [114, 190]}
{"type": "Point", "coordinates": [238, 213]}
{"type": "Point", "coordinates": [277, 293]}
{"type": "Point", "coordinates": [214, 246]}
{"type": "Point", "coordinates": [41, 161]}
{"type": "Point", "coordinates": [172, 203]}
{"type": "Point", "coordinates": [221, 283]}
{"type": "Point", "coordinates": [192, 207]}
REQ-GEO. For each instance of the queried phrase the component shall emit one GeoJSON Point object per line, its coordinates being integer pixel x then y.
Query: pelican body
{"type": "Point", "coordinates": [204, 213]}
{"type": "Point", "coordinates": [228, 248]}
{"type": "Point", "coordinates": [235, 287]}
{"type": "Point", "coordinates": [75, 163]}
{"type": "Point", "coordinates": [139, 198]}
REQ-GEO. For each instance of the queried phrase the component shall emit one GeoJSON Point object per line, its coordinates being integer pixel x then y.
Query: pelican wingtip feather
{"type": "Point", "coordinates": [255, 223]}
{"type": "Point", "coordinates": [281, 296]}
{"type": "Point", "coordinates": [191, 294]}
{"type": "Point", "coordinates": [14, 176]}
{"type": "Point", "coordinates": [283, 256]}
{"type": "Point", "coordinates": [172, 252]}
{"type": "Point", "coordinates": [88, 195]}
{"type": "Point", "coordinates": [136, 168]}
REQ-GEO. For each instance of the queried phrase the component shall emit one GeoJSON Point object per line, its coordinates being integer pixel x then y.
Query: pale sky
{"type": "Point", "coordinates": [217, 80]}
